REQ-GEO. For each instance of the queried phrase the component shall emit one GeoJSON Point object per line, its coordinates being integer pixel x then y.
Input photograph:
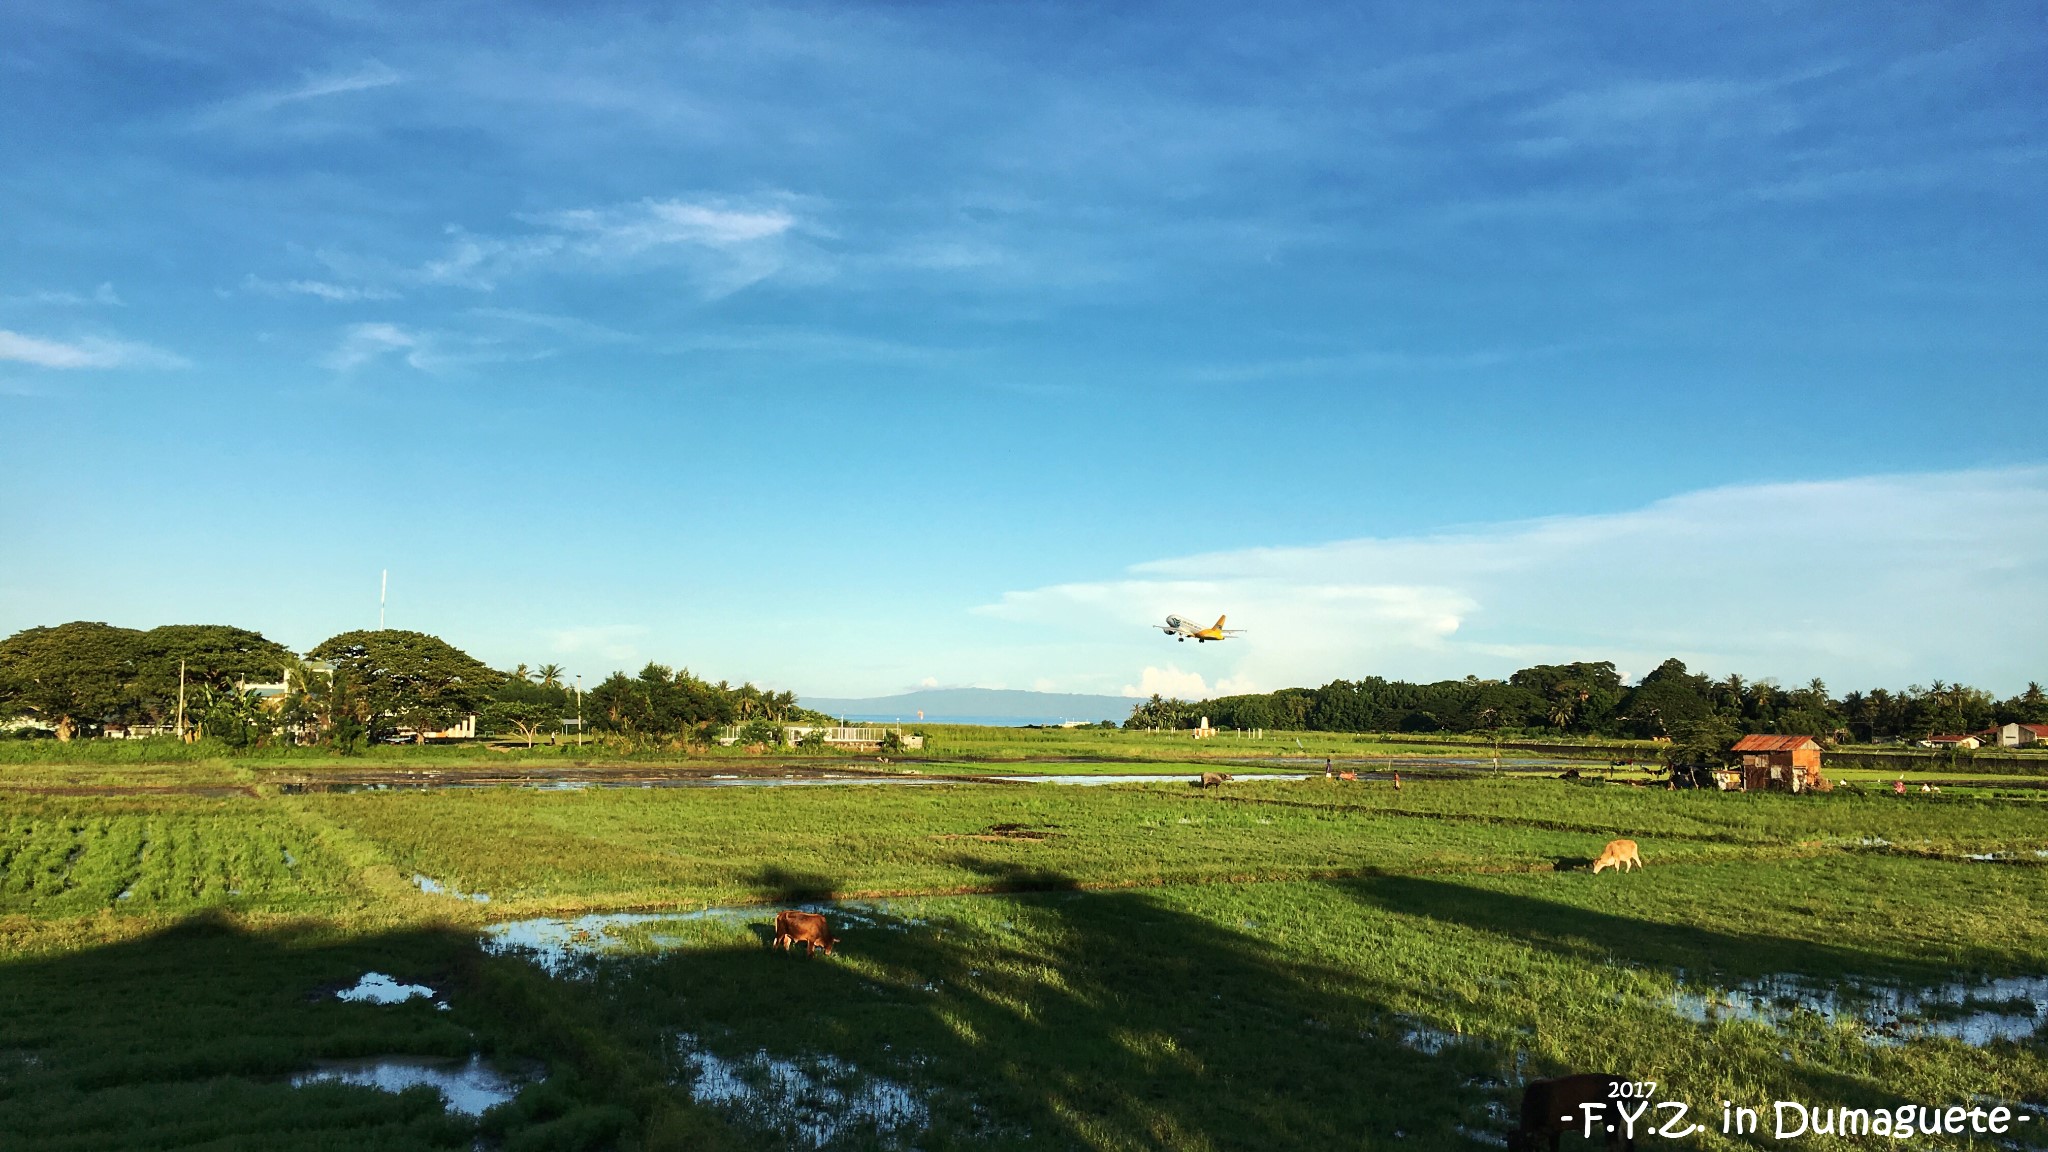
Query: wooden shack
{"type": "Point", "coordinates": [1780, 763]}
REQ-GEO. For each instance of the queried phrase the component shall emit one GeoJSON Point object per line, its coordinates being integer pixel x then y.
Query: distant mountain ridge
{"type": "Point", "coordinates": [979, 704]}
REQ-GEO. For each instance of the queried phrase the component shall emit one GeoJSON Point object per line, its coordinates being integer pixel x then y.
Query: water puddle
{"type": "Point", "coordinates": [1428, 1039]}
{"type": "Point", "coordinates": [1977, 1013]}
{"type": "Point", "coordinates": [560, 945]}
{"type": "Point", "coordinates": [716, 781]}
{"type": "Point", "coordinates": [433, 887]}
{"type": "Point", "coordinates": [470, 1088]}
{"type": "Point", "coordinates": [377, 988]}
{"type": "Point", "coordinates": [1140, 778]}
{"type": "Point", "coordinates": [810, 1100]}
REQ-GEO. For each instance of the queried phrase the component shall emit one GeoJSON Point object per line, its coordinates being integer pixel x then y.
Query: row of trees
{"type": "Point", "coordinates": [82, 677]}
{"type": "Point", "coordinates": [1590, 699]}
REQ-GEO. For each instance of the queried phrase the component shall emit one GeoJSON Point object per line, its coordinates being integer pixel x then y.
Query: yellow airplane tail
{"type": "Point", "coordinates": [1219, 622]}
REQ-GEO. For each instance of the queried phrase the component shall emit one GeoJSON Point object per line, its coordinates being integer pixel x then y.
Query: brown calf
{"type": "Point", "coordinates": [806, 928]}
{"type": "Point", "coordinates": [1618, 854]}
{"type": "Point", "coordinates": [1550, 1108]}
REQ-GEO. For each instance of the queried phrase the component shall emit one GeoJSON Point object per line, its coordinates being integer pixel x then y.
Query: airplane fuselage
{"type": "Point", "coordinates": [1185, 630]}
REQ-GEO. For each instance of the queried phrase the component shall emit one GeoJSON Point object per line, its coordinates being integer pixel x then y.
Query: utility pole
{"type": "Point", "coordinates": [383, 586]}
{"type": "Point", "coordinates": [579, 709]}
{"type": "Point", "coordinates": [181, 697]}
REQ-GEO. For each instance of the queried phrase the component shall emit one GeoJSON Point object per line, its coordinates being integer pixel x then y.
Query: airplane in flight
{"type": "Point", "coordinates": [1185, 630]}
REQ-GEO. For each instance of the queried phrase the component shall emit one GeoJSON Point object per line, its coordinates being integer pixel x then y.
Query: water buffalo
{"type": "Point", "coordinates": [1551, 1107]}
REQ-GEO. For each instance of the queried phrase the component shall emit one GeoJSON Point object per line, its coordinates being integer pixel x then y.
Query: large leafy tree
{"type": "Point", "coordinates": [216, 657]}
{"type": "Point", "coordinates": [1667, 700]}
{"type": "Point", "coordinates": [660, 701]}
{"type": "Point", "coordinates": [71, 676]}
{"type": "Point", "coordinates": [409, 679]}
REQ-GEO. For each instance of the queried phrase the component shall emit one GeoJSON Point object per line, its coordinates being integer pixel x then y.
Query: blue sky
{"type": "Point", "coordinates": [847, 348]}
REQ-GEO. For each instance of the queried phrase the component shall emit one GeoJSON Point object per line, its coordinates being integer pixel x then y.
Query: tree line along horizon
{"type": "Point", "coordinates": [365, 685]}
{"type": "Point", "coordinates": [1591, 699]}
{"type": "Point", "coordinates": [348, 690]}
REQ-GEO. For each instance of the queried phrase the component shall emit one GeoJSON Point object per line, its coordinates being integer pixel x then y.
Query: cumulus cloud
{"type": "Point", "coordinates": [1175, 684]}
{"type": "Point", "coordinates": [1865, 581]}
{"type": "Point", "coordinates": [89, 352]}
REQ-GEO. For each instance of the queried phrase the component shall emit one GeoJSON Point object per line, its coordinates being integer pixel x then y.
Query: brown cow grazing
{"type": "Point", "coordinates": [1618, 854]}
{"type": "Point", "coordinates": [806, 928]}
{"type": "Point", "coordinates": [1550, 1108]}
{"type": "Point", "coordinates": [1213, 780]}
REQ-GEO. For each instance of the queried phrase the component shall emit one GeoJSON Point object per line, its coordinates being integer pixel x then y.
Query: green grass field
{"type": "Point", "coordinates": [1265, 965]}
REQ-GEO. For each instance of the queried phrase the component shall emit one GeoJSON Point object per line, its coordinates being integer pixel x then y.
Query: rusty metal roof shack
{"type": "Point", "coordinates": [1781, 763]}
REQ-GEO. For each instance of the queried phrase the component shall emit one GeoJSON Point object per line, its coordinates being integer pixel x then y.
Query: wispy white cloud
{"type": "Point", "coordinates": [1368, 363]}
{"type": "Point", "coordinates": [364, 343]}
{"type": "Point", "coordinates": [722, 245]}
{"type": "Point", "coordinates": [104, 296]}
{"type": "Point", "coordinates": [87, 352]}
{"type": "Point", "coordinates": [620, 642]}
{"type": "Point", "coordinates": [570, 326]}
{"type": "Point", "coordinates": [367, 75]}
{"type": "Point", "coordinates": [481, 262]}
{"type": "Point", "coordinates": [634, 228]}
{"type": "Point", "coordinates": [1874, 580]}
{"type": "Point", "coordinates": [427, 351]}
{"type": "Point", "coordinates": [319, 289]}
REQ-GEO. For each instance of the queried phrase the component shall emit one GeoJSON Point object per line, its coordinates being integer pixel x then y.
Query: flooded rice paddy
{"type": "Point", "coordinates": [1975, 1012]}
{"type": "Point", "coordinates": [810, 1100]}
{"type": "Point", "coordinates": [377, 988]}
{"type": "Point", "coordinates": [469, 1088]}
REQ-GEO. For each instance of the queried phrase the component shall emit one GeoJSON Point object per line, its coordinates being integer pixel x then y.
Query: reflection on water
{"type": "Point", "coordinates": [1137, 778]}
{"type": "Point", "coordinates": [810, 1100]}
{"type": "Point", "coordinates": [1428, 1039]}
{"type": "Point", "coordinates": [433, 887]}
{"type": "Point", "coordinates": [1976, 1012]}
{"type": "Point", "coordinates": [377, 988]}
{"type": "Point", "coordinates": [470, 1088]}
{"type": "Point", "coordinates": [560, 945]}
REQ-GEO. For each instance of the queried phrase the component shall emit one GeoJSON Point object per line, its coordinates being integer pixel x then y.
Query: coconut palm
{"type": "Point", "coordinates": [551, 675]}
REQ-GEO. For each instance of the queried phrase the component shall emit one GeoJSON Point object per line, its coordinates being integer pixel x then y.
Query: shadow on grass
{"type": "Point", "coordinates": [1064, 1018]}
{"type": "Point", "coordinates": [1810, 1062]}
{"type": "Point", "coordinates": [189, 1036]}
{"type": "Point", "coordinates": [1050, 1017]}
{"type": "Point", "coordinates": [782, 886]}
{"type": "Point", "coordinates": [1593, 935]}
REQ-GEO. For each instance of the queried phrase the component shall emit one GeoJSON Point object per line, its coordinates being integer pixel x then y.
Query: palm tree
{"type": "Point", "coordinates": [520, 673]}
{"type": "Point", "coordinates": [551, 675]}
